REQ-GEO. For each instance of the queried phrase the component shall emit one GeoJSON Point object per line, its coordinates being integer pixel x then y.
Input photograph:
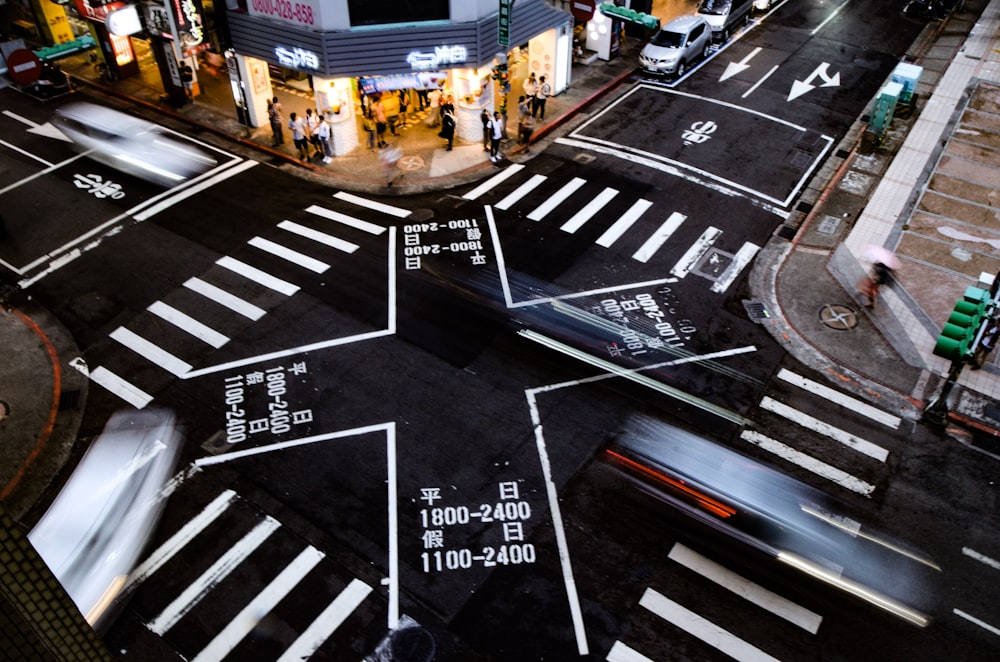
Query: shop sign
{"type": "Point", "coordinates": [419, 81]}
{"type": "Point", "coordinates": [442, 55]}
{"type": "Point", "coordinates": [296, 58]}
{"type": "Point", "coordinates": [157, 21]}
{"type": "Point", "coordinates": [189, 23]}
{"type": "Point", "coordinates": [98, 13]}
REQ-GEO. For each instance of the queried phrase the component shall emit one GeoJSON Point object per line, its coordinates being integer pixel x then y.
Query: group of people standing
{"type": "Point", "coordinates": [311, 131]}
{"type": "Point", "coordinates": [536, 93]}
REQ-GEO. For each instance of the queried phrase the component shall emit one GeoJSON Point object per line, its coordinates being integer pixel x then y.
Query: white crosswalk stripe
{"type": "Point", "coordinates": [556, 199]}
{"type": "Point", "coordinates": [624, 222]}
{"type": "Point", "coordinates": [660, 237]}
{"type": "Point", "coordinates": [184, 314]}
{"type": "Point", "coordinates": [524, 189]}
{"type": "Point", "coordinates": [823, 428]}
{"type": "Point", "coordinates": [588, 211]}
{"type": "Point", "coordinates": [695, 252]}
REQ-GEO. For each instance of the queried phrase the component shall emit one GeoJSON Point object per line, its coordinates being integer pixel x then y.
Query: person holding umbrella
{"type": "Point", "coordinates": [884, 262]}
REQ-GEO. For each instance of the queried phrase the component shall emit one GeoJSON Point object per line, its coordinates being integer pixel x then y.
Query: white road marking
{"type": "Point", "coordinates": [702, 628]}
{"type": "Point", "coordinates": [973, 554]}
{"type": "Point", "coordinates": [247, 619]}
{"type": "Point", "coordinates": [810, 423]}
{"type": "Point", "coordinates": [624, 222]}
{"type": "Point", "coordinates": [187, 323]}
{"type": "Point", "coordinates": [556, 199]}
{"type": "Point", "coordinates": [695, 252]}
{"type": "Point", "coordinates": [214, 574]}
{"type": "Point", "coordinates": [760, 596]}
{"type": "Point", "coordinates": [150, 351]}
{"type": "Point", "coordinates": [319, 237]}
{"type": "Point", "coordinates": [180, 539]}
{"type": "Point", "coordinates": [972, 619]}
{"type": "Point", "coordinates": [258, 276]}
{"type": "Point", "coordinates": [398, 212]}
{"type": "Point", "coordinates": [23, 152]}
{"type": "Point", "coordinates": [846, 401]}
{"type": "Point", "coordinates": [588, 211]}
{"type": "Point", "coordinates": [123, 389]}
{"type": "Point", "coordinates": [524, 189]}
{"type": "Point", "coordinates": [288, 254]}
{"type": "Point", "coordinates": [350, 221]}
{"type": "Point", "coordinates": [740, 260]}
{"type": "Point", "coordinates": [224, 298]}
{"type": "Point", "coordinates": [189, 191]}
{"type": "Point", "coordinates": [760, 82]}
{"type": "Point", "coordinates": [658, 238]}
{"type": "Point", "coordinates": [808, 463]}
{"type": "Point", "coordinates": [329, 620]}
{"type": "Point", "coordinates": [494, 181]}
{"type": "Point", "coordinates": [621, 653]}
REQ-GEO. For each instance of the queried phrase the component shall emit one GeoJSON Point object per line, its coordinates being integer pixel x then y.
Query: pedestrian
{"type": "Point", "coordinates": [543, 93]}
{"type": "Point", "coordinates": [404, 106]}
{"type": "Point", "coordinates": [434, 103]}
{"type": "Point", "coordinates": [523, 111]}
{"type": "Point", "coordinates": [378, 114]}
{"type": "Point", "coordinates": [422, 98]}
{"type": "Point", "coordinates": [530, 89]}
{"type": "Point", "coordinates": [448, 104]}
{"type": "Point", "coordinates": [526, 130]}
{"type": "Point", "coordinates": [390, 102]}
{"type": "Point", "coordinates": [313, 121]}
{"type": "Point", "coordinates": [276, 120]}
{"type": "Point", "coordinates": [187, 79]}
{"type": "Point", "coordinates": [484, 117]}
{"type": "Point", "coordinates": [879, 275]}
{"type": "Point", "coordinates": [369, 125]}
{"type": "Point", "coordinates": [448, 129]}
{"type": "Point", "coordinates": [496, 133]}
{"type": "Point", "coordinates": [298, 130]}
{"type": "Point", "coordinates": [323, 131]}
{"type": "Point", "coordinates": [389, 159]}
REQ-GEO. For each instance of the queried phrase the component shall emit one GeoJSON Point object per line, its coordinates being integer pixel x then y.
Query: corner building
{"type": "Point", "coordinates": [342, 50]}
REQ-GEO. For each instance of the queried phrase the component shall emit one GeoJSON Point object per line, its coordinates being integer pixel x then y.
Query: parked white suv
{"type": "Point", "coordinates": [678, 43]}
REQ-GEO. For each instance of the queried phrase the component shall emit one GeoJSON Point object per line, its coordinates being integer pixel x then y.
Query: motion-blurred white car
{"type": "Point", "coordinates": [761, 6]}
{"type": "Point", "coordinates": [129, 144]}
{"type": "Point", "coordinates": [93, 533]}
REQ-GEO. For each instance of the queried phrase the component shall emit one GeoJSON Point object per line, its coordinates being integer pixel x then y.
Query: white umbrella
{"type": "Point", "coordinates": [883, 255]}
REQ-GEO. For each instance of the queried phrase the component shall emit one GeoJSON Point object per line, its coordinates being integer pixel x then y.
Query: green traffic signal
{"type": "Point", "coordinates": [959, 333]}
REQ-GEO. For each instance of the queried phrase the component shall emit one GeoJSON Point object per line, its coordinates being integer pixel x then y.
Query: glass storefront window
{"type": "Point", "coordinates": [366, 12]}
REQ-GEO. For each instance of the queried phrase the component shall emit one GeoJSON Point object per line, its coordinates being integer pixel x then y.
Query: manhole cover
{"type": "Point", "coordinates": [410, 162]}
{"type": "Point", "coordinates": [838, 317]}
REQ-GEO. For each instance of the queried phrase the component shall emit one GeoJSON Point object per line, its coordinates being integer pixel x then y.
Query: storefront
{"type": "Point", "coordinates": [343, 63]}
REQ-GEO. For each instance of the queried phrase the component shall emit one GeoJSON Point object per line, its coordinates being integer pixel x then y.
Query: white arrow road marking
{"type": "Point", "coordinates": [801, 87]}
{"type": "Point", "coordinates": [734, 68]}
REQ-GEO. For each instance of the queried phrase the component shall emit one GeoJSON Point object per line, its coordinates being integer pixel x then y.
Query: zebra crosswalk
{"type": "Point", "coordinates": [310, 245]}
{"type": "Point", "coordinates": [543, 198]}
{"type": "Point", "coordinates": [252, 540]}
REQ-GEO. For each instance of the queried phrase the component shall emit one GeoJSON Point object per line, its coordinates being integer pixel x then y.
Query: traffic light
{"type": "Point", "coordinates": [958, 337]}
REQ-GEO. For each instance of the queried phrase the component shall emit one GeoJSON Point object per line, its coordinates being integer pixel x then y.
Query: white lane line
{"type": "Point", "coordinates": [148, 350]}
{"type": "Point", "coordinates": [123, 389]}
{"type": "Point", "coordinates": [192, 190]}
{"type": "Point", "coordinates": [187, 323]}
{"type": "Point", "coordinates": [845, 401]}
{"type": "Point", "coordinates": [247, 619]}
{"type": "Point", "coordinates": [808, 463]}
{"type": "Point", "coordinates": [624, 222]}
{"type": "Point", "coordinates": [658, 238]}
{"type": "Point", "coordinates": [209, 579]}
{"type": "Point", "coordinates": [760, 82]}
{"type": "Point", "coordinates": [319, 237]}
{"type": "Point", "coordinates": [179, 540]}
{"type": "Point", "coordinates": [588, 211]}
{"type": "Point", "coordinates": [349, 221]}
{"type": "Point", "coordinates": [621, 653]}
{"type": "Point", "coordinates": [398, 212]}
{"type": "Point", "coordinates": [982, 558]}
{"type": "Point", "coordinates": [972, 619]}
{"type": "Point", "coordinates": [258, 276]}
{"type": "Point", "coordinates": [224, 298]}
{"type": "Point", "coordinates": [15, 148]}
{"type": "Point", "coordinates": [746, 589]}
{"type": "Point", "coordinates": [329, 620]}
{"type": "Point", "coordinates": [524, 189]}
{"type": "Point", "coordinates": [494, 181]}
{"type": "Point", "coordinates": [556, 199]}
{"type": "Point", "coordinates": [840, 436]}
{"type": "Point", "coordinates": [702, 628]}
{"type": "Point", "coordinates": [695, 252]}
{"type": "Point", "coordinates": [740, 260]}
{"type": "Point", "coordinates": [288, 254]}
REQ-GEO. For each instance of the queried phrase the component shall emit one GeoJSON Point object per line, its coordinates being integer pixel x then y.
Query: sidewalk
{"type": "Point", "coordinates": [805, 275]}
